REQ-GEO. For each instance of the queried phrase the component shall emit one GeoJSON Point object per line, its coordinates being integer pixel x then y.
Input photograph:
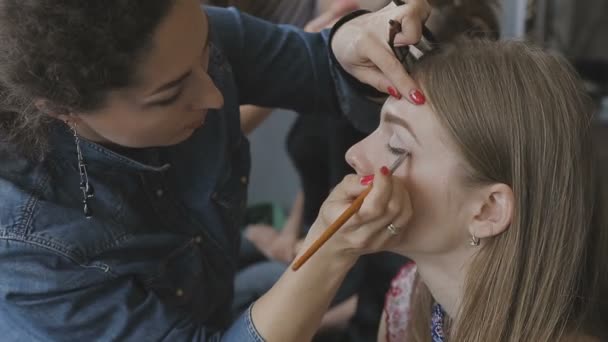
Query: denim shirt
{"type": "Point", "coordinates": [156, 261]}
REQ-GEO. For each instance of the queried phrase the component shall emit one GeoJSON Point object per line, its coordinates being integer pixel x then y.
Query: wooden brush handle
{"type": "Point", "coordinates": [332, 229]}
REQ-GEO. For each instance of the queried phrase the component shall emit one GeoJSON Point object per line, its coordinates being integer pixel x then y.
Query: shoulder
{"type": "Point", "coordinates": [398, 300]}
{"type": "Point", "coordinates": [42, 210]}
{"type": "Point", "coordinates": [22, 183]}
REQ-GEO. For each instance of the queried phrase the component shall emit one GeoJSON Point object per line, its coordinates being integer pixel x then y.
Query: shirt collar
{"type": "Point", "coordinates": [142, 159]}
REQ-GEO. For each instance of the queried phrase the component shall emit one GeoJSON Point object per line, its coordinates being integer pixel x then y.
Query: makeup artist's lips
{"type": "Point", "coordinates": [198, 123]}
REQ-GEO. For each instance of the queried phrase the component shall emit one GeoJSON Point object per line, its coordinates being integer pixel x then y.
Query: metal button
{"type": "Point", "coordinates": [179, 292]}
{"type": "Point", "coordinates": [198, 239]}
{"type": "Point", "coordinates": [244, 180]}
{"type": "Point", "coordinates": [160, 193]}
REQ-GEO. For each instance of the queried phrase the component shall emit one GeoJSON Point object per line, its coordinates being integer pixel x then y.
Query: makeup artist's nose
{"type": "Point", "coordinates": [211, 97]}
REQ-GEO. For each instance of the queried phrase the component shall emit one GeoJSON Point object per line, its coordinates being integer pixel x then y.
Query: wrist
{"type": "Point", "coordinates": [329, 259]}
{"type": "Point", "coordinates": [358, 86]}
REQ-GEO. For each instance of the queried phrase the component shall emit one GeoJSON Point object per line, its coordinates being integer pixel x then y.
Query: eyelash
{"type": "Point", "coordinates": [174, 98]}
{"type": "Point", "coordinates": [396, 151]}
{"type": "Point", "coordinates": [170, 100]}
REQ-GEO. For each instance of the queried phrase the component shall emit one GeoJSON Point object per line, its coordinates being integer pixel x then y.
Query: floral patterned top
{"type": "Point", "coordinates": [397, 307]}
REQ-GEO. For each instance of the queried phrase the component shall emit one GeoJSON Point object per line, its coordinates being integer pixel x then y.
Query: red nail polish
{"type": "Point", "coordinates": [417, 97]}
{"type": "Point", "coordinates": [385, 171]}
{"type": "Point", "coordinates": [394, 93]}
{"type": "Point", "coordinates": [367, 180]}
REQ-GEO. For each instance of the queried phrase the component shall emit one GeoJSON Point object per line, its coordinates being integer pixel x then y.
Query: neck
{"type": "Point", "coordinates": [87, 133]}
{"type": "Point", "coordinates": [444, 275]}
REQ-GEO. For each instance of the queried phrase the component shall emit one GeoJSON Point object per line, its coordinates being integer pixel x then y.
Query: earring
{"type": "Point", "coordinates": [85, 186]}
{"type": "Point", "coordinates": [474, 241]}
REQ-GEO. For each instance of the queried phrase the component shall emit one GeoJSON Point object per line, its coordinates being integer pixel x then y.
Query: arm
{"type": "Point", "coordinates": [311, 288]}
{"type": "Point", "coordinates": [252, 117]}
{"type": "Point", "coordinates": [292, 310]}
{"type": "Point", "coordinates": [282, 66]}
{"type": "Point", "coordinates": [47, 296]}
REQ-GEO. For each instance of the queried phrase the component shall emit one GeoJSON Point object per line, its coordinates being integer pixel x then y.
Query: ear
{"type": "Point", "coordinates": [58, 112]}
{"type": "Point", "coordinates": [494, 212]}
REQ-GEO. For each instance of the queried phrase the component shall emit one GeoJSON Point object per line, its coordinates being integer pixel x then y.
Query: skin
{"type": "Point", "coordinates": [446, 211]}
{"type": "Point", "coordinates": [139, 116]}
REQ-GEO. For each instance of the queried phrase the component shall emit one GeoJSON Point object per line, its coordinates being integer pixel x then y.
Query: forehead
{"type": "Point", "coordinates": [176, 44]}
{"type": "Point", "coordinates": [421, 119]}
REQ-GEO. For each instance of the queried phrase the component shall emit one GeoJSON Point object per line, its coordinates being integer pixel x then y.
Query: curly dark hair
{"type": "Point", "coordinates": [70, 53]}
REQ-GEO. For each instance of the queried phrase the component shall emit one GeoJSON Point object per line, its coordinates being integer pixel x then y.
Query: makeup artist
{"type": "Point", "coordinates": [123, 170]}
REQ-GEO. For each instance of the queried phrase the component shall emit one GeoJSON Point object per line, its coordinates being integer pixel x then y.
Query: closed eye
{"type": "Point", "coordinates": [396, 150]}
{"type": "Point", "coordinates": [168, 101]}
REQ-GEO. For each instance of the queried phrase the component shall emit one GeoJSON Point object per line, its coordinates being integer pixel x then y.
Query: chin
{"type": "Point", "coordinates": [166, 142]}
{"type": "Point", "coordinates": [181, 138]}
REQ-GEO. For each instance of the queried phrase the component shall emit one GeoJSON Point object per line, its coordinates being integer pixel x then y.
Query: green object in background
{"type": "Point", "coordinates": [265, 213]}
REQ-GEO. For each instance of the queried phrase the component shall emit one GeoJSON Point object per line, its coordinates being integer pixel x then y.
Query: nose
{"type": "Point", "coordinates": [211, 97]}
{"type": "Point", "coordinates": [358, 159]}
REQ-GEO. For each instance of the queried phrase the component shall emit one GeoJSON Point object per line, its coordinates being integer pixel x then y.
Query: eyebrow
{"type": "Point", "coordinates": [185, 75]}
{"type": "Point", "coordinates": [391, 118]}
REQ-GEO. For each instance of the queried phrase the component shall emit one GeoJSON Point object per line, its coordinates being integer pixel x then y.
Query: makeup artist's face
{"type": "Point", "coordinates": [433, 175]}
{"type": "Point", "coordinates": [173, 91]}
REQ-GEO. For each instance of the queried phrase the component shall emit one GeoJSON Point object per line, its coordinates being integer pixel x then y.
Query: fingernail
{"type": "Point", "coordinates": [394, 93]}
{"type": "Point", "coordinates": [417, 97]}
{"type": "Point", "coordinates": [367, 180]}
{"type": "Point", "coordinates": [385, 171]}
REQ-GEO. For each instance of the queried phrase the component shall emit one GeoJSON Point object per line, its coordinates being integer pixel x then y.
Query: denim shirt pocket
{"type": "Point", "coordinates": [187, 279]}
{"type": "Point", "coordinates": [177, 274]}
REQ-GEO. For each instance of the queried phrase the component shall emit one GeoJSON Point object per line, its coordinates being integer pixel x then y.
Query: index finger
{"type": "Point", "coordinates": [411, 17]}
{"type": "Point", "coordinates": [349, 188]}
{"type": "Point", "coordinates": [395, 73]}
{"type": "Point", "coordinates": [376, 202]}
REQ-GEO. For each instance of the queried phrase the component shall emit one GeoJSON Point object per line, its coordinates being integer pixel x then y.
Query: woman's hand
{"type": "Point", "coordinates": [367, 231]}
{"type": "Point", "coordinates": [311, 288]}
{"type": "Point", "coordinates": [361, 45]}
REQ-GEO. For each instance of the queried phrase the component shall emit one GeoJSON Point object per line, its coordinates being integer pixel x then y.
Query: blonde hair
{"type": "Point", "coordinates": [520, 116]}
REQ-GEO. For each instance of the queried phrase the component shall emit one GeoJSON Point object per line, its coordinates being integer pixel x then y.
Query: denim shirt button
{"type": "Point", "coordinates": [198, 239]}
{"type": "Point", "coordinates": [179, 292]}
{"type": "Point", "coordinates": [160, 193]}
{"type": "Point", "coordinates": [244, 180]}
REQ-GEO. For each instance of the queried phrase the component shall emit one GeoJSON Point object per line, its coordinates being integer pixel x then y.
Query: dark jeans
{"type": "Point", "coordinates": [253, 281]}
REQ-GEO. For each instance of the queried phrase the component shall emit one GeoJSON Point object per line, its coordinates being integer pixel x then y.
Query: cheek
{"type": "Point", "coordinates": [427, 193]}
{"type": "Point", "coordinates": [435, 226]}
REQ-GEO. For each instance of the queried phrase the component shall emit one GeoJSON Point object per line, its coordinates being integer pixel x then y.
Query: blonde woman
{"type": "Point", "coordinates": [507, 233]}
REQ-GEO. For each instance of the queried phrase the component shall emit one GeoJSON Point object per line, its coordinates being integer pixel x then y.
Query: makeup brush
{"type": "Point", "coordinates": [341, 220]}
